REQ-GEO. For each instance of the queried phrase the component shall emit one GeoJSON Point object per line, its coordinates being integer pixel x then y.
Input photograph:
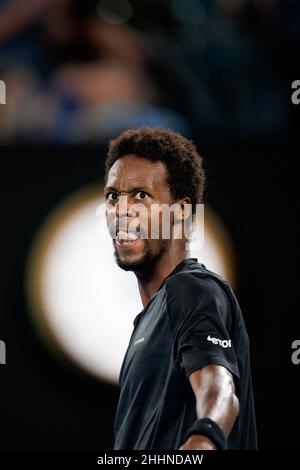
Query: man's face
{"type": "Point", "coordinates": [139, 183]}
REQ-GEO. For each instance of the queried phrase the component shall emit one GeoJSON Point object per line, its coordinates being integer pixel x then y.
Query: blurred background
{"type": "Point", "coordinates": [77, 73]}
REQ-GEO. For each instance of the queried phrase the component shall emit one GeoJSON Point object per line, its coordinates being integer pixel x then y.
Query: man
{"type": "Point", "coordinates": [185, 379]}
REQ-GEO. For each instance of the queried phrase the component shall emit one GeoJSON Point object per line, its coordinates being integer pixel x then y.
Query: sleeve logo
{"type": "Point", "coordinates": [225, 343]}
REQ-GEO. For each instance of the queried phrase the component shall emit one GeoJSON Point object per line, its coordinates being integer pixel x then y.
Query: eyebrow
{"type": "Point", "coordinates": [132, 190]}
{"type": "Point", "coordinates": [110, 188]}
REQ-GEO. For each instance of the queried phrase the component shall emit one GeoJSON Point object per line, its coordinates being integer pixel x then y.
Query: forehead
{"type": "Point", "coordinates": [133, 170]}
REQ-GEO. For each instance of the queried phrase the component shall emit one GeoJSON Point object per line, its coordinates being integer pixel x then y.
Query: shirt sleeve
{"type": "Point", "coordinates": [200, 319]}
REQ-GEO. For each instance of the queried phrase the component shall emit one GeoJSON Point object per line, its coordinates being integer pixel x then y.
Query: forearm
{"type": "Point", "coordinates": [215, 399]}
{"type": "Point", "coordinates": [218, 401]}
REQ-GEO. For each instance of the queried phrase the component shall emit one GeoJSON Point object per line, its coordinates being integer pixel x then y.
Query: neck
{"type": "Point", "coordinates": [150, 282]}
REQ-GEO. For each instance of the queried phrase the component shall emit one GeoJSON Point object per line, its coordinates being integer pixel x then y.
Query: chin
{"type": "Point", "coordinates": [134, 261]}
{"type": "Point", "coordinates": [142, 262]}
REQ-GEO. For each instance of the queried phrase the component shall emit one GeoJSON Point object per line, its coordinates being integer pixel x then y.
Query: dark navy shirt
{"type": "Point", "coordinates": [192, 320]}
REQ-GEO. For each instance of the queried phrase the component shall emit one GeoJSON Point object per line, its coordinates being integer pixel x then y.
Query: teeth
{"type": "Point", "coordinates": [127, 236]}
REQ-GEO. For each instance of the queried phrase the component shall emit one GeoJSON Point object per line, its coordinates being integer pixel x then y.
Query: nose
{"type": "Point", "coordinates": [120, 214]}
{"type": "Point", "coordinates": [124, 207]}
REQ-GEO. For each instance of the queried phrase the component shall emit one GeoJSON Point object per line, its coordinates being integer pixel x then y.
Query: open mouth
{"type": "Point", "coordinates": [124, 239]}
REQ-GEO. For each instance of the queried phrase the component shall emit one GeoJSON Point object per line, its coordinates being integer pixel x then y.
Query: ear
{"type": "Point", "coordinates": [183, 209]}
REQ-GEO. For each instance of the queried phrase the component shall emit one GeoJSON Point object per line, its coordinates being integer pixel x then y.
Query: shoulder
{"type": "Point", "coordinates": [196, 283]}
{"type": "Point", "coordinates": [196, 296]}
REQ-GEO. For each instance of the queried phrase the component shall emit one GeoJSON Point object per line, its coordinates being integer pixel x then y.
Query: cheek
{"type": "Point", "coordinates": [160, 224]}
{"type": "Point", "coordinates": [156, 246]}
{"type": "Point", "coordinates": [110, 215]}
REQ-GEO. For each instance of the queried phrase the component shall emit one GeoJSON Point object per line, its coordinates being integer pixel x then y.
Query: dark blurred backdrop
{"type": "Point", "coordinates": [76, 74]}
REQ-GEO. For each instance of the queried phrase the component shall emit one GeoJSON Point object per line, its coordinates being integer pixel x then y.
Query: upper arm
{"type": "Point", "coordinates": [200, 319]}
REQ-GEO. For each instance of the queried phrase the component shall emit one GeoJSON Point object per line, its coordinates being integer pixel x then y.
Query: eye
{"type": "Point", "coordinates": [141, 195]}
{"type": "Point", "coordinates": [111, 196]}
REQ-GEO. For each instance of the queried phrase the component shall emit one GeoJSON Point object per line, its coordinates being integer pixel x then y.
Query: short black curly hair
{"type": "Point", "coordinates": [185, 173]}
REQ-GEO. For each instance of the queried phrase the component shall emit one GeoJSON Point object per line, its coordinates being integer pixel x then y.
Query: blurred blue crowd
{"type": "Point", "coordinates": [81, 71]}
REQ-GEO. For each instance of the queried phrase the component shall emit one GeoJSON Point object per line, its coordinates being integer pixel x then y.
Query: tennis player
{"type": "Point", "coordinates": [185, 381]}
